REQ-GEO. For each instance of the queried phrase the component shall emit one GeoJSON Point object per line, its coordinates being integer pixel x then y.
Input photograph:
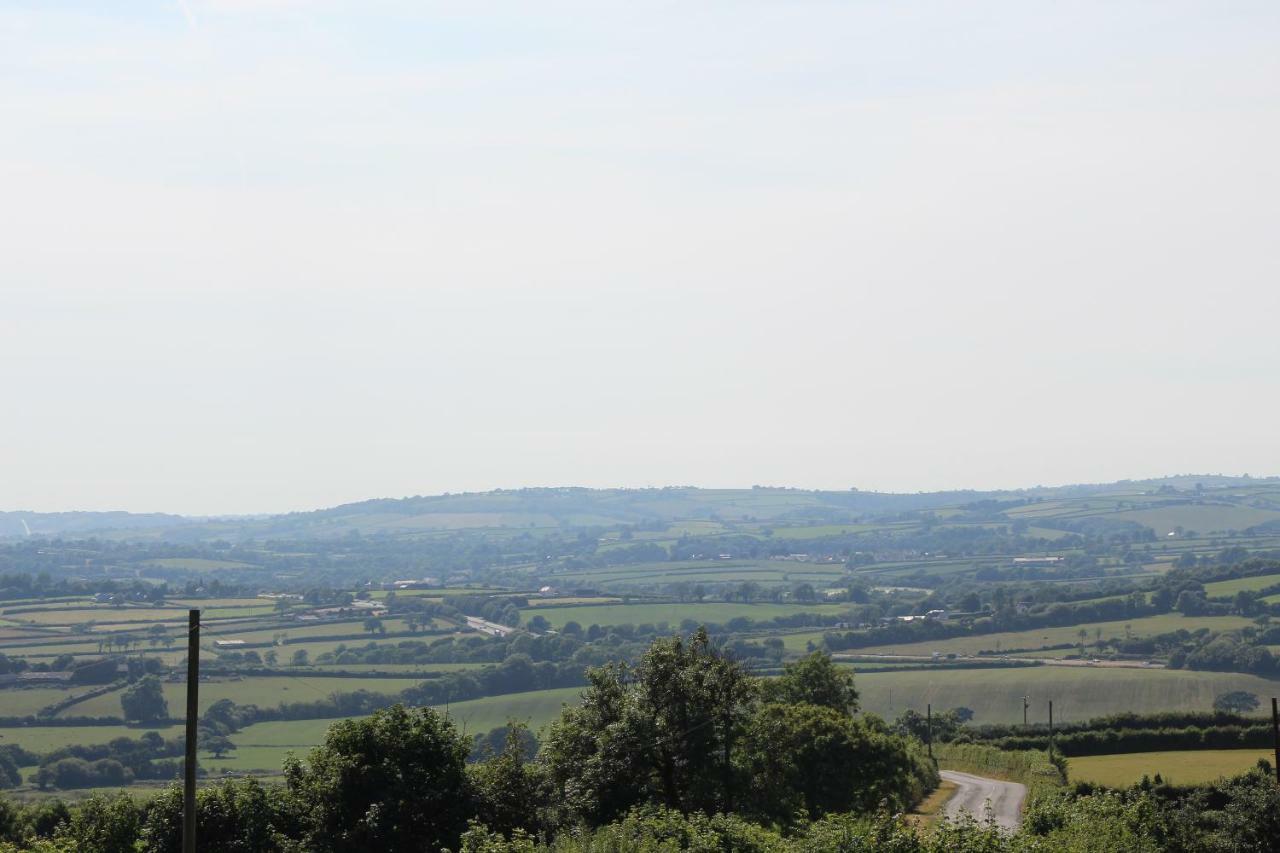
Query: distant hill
{"type": "Point", "coordinates": [573, 508]}
{"type": "Point", "coordinates": [21, 524]}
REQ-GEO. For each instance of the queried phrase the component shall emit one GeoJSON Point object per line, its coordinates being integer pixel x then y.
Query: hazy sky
{"type": "Point", "coordinates": [261, 256]}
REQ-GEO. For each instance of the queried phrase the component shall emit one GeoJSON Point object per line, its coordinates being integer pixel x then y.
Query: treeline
{"type": "Point", "coordinates": [1122, 733]}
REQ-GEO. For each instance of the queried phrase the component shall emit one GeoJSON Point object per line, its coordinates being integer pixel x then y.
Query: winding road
{"type": "Point", "coordinates": [974, 792]}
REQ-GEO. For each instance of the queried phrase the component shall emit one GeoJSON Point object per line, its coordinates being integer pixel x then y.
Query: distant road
{"type": "Point", "coordinates": [974, 792]}
{"type": "Point", "coordinates": [484, 626]}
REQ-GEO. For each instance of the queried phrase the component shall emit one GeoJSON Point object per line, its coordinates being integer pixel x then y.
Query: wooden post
{"type": "Point", "coordinates": [1275, 734]}
{"type": "Point", "coordinates": [929, 719]}
{"type": "Point", "coordinates": [193, 706]}
{"type": "Point", "coordinates": [1051, 730]}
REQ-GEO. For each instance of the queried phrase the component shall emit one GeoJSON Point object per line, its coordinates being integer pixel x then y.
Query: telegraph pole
{"type": "Point", "coordinates": [193, 704]}
{"type": "Point", "coordinates": [1051, 730]}
{"type": "Point", "coordinates": [929, 718]}
{"type": "Point", "coordinates": [1275, 733]}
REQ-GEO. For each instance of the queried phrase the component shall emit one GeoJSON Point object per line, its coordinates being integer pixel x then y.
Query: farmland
{"type": "Point", "coordinates": [1051, 636]}
{"type": "Point", "coordinates": [673, 614]}
{"type": "Point", "coordinates": [1077, 693]}
{"type": "Point", "coordinates": [1180, 768]}
{"type": "Point", "coordinates": [657, 561]}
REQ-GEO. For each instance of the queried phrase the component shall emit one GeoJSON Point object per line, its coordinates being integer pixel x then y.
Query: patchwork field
{"type": "Point", "coordinates": [1226, 589]}
{"type": "Point", "coordinates": [1181, 768]}
{"type": "Point", "coordinates": [1077, 693]}
{"type": "Point", "coordinates": [266, 691]}
{"type": "Point", "coordinates": [1038, 637]}
{"type": "Point", "coordinates": [636, 614]}
{"type": "Point", "coordinates": [263, 746]}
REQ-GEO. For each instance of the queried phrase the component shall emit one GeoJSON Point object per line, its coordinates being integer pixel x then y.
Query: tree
{"type": "Point", "coordinates": [300, 658]}
{"type": "Point", "coordinates": [508, 787]}
{"type": "Point", "coordinates": [393, 781]}
{"type": "Point", "coordinates": [814, 680]}
{"type": "Point", "coordinates": [662, 732]}
{"type": "Point", "coordinates": [243, 815]}
{"type": "Point", "coordinates": [1235, 702]}
{"type": "Point", "coordinates": [818, 759]}
{"type": "Point", "coordinates": [144, 701]}
{"type": "Point", "coordinates": [538, 624]}
{"type": "Point", "coordinates": [218, 744]}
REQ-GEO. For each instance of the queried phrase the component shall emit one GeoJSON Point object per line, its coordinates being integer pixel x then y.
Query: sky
{"type": "Point", "coordinates": [271, 255]}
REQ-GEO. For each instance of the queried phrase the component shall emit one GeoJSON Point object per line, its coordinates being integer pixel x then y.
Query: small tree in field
{"type": "Point", "coordinates": [1235, 702]}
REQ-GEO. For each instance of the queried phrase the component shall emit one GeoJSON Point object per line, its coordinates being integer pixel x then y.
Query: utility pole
{"type": "Point", "coordinates": [193, 704]}
{"type": "Point", "coordinates": [929, 718]}
{"type": "Point", "coordinates": [1051, 730]}
{"type": "Point", "coordinates": [1275, 734]}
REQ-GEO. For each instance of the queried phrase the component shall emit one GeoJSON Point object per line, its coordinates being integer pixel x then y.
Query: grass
{"type": "Point", "coordinates": [1027, 766]}
{"type": "Point", "coordinates": [673, 614]}
{"type": "Point", "coordinates": [1227, 589]}
{"type": "Point", "coordinates": [265, 691]}
{"type": "Point", "coordinates": [196, 564]}
{"type": "Point", "coordinates": [263, 746]}
{"type": "Point", "coordinates": [1183, 768]}
{"type": "Point", "coordinates": [1038, 637]}
{"type": "Point", "coordinates": [1078, 693]}
{"type": "Point", "coordinates": [20, 701]}
{"type": "Point", "coordinates": [928, 809]}
{"type": "Point", "coordinates": [1202, 518]}
{"type": "Point", "coordinates": [103, 614]}
{"type": "Point", "coordinates": [46, 738]}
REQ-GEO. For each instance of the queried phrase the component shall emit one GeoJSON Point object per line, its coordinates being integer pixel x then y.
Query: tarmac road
{"type": "Point", "coordinates": [974, 792]}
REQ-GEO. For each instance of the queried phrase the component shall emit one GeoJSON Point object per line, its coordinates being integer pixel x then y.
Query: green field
{"type": "Point", "coordinates": [1226, 589]}
{"type": "Point", "coordinates": [196, 564]}
{"type": "Point", "coordinates": [1202, 518]}
{"type": "Point", "coordinates": [21, 701]}
{"type": "Point", "coordinates": [46, 738]}
{"type": "Point", "coordinates": [1038, 637]}
{"type": "Point", "coordinates": [1077, 693]}
{"type": "Point", "coordinates": [673, 614]}
{"type": "Point", "coordinates": [263, 746]}
{"type": "Point", "coordinates": [1181, 768]}
{"type": "Point", "coordinates": [264, 691]}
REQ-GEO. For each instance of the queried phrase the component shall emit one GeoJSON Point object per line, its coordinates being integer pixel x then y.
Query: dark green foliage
{"type": "Point", "coordinates": [236, 817]}
{"type": "Point", "coordinates": [812, 758]}
{"type": "Point", "coordinates": [663, 732]}
{"type": "Point", "coordinates": [144, 701]}
{"type": "Point", "coordinates": [104, 825]}
{"type": "Point", "coordinates": [10, 775]}
{"type": "Point", "coordinates": [1236, 702]}
{"type": "Point", "coordinates": [814, 680]}
{"type": "Point", "coordinates": [508, 788]}
{"type": "Point", "coordinates": [393, 781]}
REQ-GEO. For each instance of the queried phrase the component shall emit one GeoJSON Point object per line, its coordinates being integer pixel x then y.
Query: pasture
{"type": "Point", "coordinates": [1077, 693]}
{"type": "Point", "coordinates": [1181, 768]}
{"type": "Point", "coordinates": [263, 746]}
{"type": "Point", "coordinates": [1039, 637]}
{"type": "Point", "coordinates": [264, 691]}
{"type": "Point", "coordinates": [673, 614]}
{"type": "Point", "coordinates": [1226, 589]}
{"type": "Point", "coordinates": [46, 738]}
